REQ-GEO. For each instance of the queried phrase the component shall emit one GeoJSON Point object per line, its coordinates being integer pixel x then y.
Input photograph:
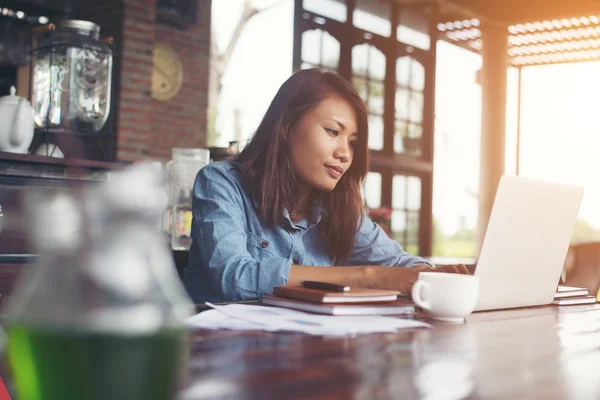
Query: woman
{"type": "Point", "coordinates": [290, 203]}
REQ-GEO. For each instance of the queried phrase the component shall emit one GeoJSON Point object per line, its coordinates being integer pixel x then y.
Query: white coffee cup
{"type": "Point", "coordinates": [446, 297]}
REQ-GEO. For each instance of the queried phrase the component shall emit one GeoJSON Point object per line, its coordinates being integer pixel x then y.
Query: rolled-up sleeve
{"type": "Point", "coordinates": [219, 232]}
{"type": "Point", "coordinates": [374, 247]}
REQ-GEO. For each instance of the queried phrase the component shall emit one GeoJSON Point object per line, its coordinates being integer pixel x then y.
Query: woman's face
{"type": "Point", "coordinates": [322, 144]}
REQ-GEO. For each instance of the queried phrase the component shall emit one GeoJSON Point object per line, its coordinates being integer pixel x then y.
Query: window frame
{"type": "Point", "coordinates": [386, 161]}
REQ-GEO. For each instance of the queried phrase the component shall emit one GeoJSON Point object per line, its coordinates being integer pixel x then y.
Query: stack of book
{"type": "Point", "coordinates": [356, 301]}
{"type": "Point", "coordinates": [571, 295]}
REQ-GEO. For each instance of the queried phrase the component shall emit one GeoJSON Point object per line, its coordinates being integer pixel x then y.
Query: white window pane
{"type": "Point", "coordinates": [375, 98]}
{"type": "Point", "coordinates": [417, 76]}
{"type": "Point", "coordinates": [311, 46]}
{"type": "Point", "coordinates": [400, 132]}
{"type": "Point", "coordinates": [407, 138]}
{"type": "Point", "coordinates": [410, 73]}
{"type": "Point", "coordinates": [398, 221]}
{"type": "Point", "coordinates": [360, 56]}
{"type": "Point", "coordinates": [360, 85]}
{"type": "Point", "coordinates": [412, 37]}
{"type": "Point", "coordinates": [403, 70]}
{"type": "Point", "coordinates": [412, 239]}
{"type": "Point", "coordinates": [320, 48]}
{"type": "Point", "coordinates": [368, 59]}
{"type": "Point", "coordinates": [415, 131]}
{"type": "Point", "coordinates": [372, 190]}
{"type": "Point", "coordinates": [412, 29]}
{"type": "Point", "coordinates": [412, 142]}
{"type": "Point", "coordinates": [373, 16]}
{"type": "Point", "coordinates": [406, 192]}
{"type": "Point", "coordinates": [399, 191]}
{"type": "Point", "coordinates": [375, 132]}
{"type": "Point", "coordinates": [331, 51]}
{"type": "Point", "coordinates": [327, 8]}
{"type": "Point", "coordinates": [414, 193]}
{"type": "Point", "coordinates": [376, 64]}
{"type": "Point", "coordinates": [402, 97]}
{"type": "Point", "coordinates": [415, 107]}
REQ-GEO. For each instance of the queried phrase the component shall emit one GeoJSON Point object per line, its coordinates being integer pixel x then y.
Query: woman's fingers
{"type": "Point", "coordinates": [449, 268]}
{"type": "Point", "coordinates": [462, 269]}
{"type": "Point", "coordinates": [453, 269]}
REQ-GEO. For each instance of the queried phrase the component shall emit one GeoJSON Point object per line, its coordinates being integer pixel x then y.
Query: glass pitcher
{"type": "Point", "coordinates": [71, 80]}
{"type": "Point", "coordinates": [100, 315]}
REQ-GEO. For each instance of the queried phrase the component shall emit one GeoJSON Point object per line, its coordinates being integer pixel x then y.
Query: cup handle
{"type": "Point", "coordinates": [416, 294]}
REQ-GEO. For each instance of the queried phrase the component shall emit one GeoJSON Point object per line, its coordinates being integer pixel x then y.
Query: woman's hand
{"type": "Point", "coordinates": [403, 279]}
{"type": "Point", "coordinates": [393, 278]}
{"type": "Point", "coordinates": [453, 269]}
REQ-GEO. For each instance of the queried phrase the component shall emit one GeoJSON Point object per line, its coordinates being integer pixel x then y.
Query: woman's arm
{"type": "Point", "coordinates": [220, 237]}
{"type": "Point", "coordinates": [372, 246]}
{"type": "Point", "coordinates": [369, 264]}
{"type": "Point", "coordinates": [377, 277]}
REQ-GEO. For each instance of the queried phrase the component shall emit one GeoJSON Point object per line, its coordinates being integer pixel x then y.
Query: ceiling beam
{"type": "Point", "coordinates": [520, 11]}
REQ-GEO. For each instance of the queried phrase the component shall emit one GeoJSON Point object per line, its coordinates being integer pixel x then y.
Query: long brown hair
{"type": "Point", "coordinates": [267, 170]}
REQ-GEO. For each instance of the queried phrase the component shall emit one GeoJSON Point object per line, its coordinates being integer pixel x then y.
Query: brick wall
{"type": "Point", "coordinates": [148, 128]}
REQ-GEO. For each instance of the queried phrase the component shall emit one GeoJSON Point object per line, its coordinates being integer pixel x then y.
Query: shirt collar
{"type": "Point", "coordinates": [317, 214]}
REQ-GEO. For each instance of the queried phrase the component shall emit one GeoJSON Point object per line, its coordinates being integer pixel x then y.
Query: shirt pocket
{"type": "Point", "coordinates": [259, 247]}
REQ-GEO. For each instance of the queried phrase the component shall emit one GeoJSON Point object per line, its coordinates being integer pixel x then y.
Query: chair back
{"type": "Point", "coordinates": [582, 266]}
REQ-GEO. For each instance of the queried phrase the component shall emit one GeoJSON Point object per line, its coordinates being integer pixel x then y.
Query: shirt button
{"type": "Point", "coordinates": [264, 244]}
{"type": "Point", "coordinates": [296, 261]}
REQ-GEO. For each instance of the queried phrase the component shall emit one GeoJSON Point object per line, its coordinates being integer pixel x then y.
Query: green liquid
{"type": "Point", "coordinates": [57, 365]}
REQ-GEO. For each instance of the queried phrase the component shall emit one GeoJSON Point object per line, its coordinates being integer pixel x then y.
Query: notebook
{"type": "Point", "coordinates": [569, 301]}
{"type": "Point", "coordinates": [570, 291]}
{"type": "Point", "coordinates": [355, 295]}
{"type": "Point", "coordinates": [387, 308]}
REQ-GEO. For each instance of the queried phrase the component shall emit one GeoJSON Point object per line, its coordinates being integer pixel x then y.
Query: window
{"type": "Point", "coordinates": [368, 74]}
{"type": "Point", "coordinates": [373, 16]}
{"type": "Point", "coordinates": [410, 83]}
{"type": "Point", "coordinates": [320, 49]}
{"type": "Point", "coordinates": [406, 205]}
{"type": "Point", "coordinates": [328, 8]}
{"type": "Point", "coordinates": [400, 115]}
{"type": "Point", "coordinates": [372, 190]}
{"type": "Point", "coordinates": [411, 30]}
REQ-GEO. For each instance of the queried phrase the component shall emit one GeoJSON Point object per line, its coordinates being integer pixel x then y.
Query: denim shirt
{"type": "Point", "coordinates": [235, 255]}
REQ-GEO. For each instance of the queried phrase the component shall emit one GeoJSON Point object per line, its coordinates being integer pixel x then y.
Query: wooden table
{"type": "Point", "coordinates": [543, 352]}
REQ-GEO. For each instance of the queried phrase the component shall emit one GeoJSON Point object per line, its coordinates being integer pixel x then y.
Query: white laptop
{"type": "Point", "coordinates": [526, 242]}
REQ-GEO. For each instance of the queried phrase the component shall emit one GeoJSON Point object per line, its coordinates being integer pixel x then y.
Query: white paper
{"type": "Point", "coordinates": [253, 317]}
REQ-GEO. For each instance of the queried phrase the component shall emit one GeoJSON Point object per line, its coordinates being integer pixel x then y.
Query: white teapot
{"type": "Point", "coordinates": [16, 123]}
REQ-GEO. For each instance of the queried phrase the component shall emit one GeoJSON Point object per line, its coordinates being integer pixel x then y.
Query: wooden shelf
{"type": "Point", "coordinates": [13, 160]}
